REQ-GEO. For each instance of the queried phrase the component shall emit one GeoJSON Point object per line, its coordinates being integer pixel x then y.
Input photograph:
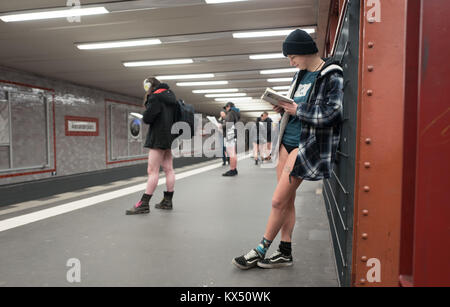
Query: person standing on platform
{"type": "Point", "coordinates": [160, 103]}
{"type": "Point", "coordinates": [232, 117]}
{"type": "Point", "coordinates": [221, 121]}
{"type": "Point", "coordinates": [254, 136]}
{"type": "Point", "coordinates": [268, 125]}
{"type": "Point", "coordinates": [307, 145]}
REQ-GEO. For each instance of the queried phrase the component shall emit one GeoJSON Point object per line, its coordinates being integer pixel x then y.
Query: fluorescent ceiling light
{"type": "Point", "coordinates": [278, 71]}
{"type": "Point", "coordinates": [50, 14]}
{"type": "Point", "coordinates": [236, 99]}
{"type": "Point", "coordinates": [202, 83]}
{"type": "Point", "coordinates": [280, 88]}
{"type": "Point", "coordinates": [279, 80]}
{"type": "Point", "coordinates": [266, 33]}
{"type": "Point", "coordinates": [225, 95]}
{"type": "Point", "coordinates": [157, 63]}
{"type": "Point", "coordinates": [119, 44]}
{"type": "Point", "coordinates": [225, 90]}
{"type": "Point", "coordinates": [222, 1]}
{"type": "Point", "coordinates": [266, 56]}
{"type": "Point", "coordinates": [176, 77]}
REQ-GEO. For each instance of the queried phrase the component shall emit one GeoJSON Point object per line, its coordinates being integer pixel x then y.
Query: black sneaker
{"type": "Point", "coordinates": [231, 173]}
{"type": "Point", "coordinates": [256, 161]}
{"type": "Point", "coordinates": [139, 208]}
{"type": "Point", "coordinates": [277, 260]}
{"type": "Point", "coordinates": [248, 261]}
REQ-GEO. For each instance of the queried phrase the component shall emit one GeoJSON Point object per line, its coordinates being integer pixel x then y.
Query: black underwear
{"type": "Point", "coordinates": [289, 149]}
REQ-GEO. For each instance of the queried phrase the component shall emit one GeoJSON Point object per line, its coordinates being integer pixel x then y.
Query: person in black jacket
{"type": "Point", "coordinates": [161, 104]}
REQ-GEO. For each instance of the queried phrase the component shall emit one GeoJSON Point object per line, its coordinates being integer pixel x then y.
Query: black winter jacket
{"type": "Point", "coordinates": [160, 115]}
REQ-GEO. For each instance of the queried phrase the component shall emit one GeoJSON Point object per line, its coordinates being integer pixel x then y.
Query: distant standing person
{"type": "Point", "coordinates": [160, 103]}
{"type": "Point", "coordinates": [268, 125]}
{"type": "Point", "coordinates": [232, 117]}
{"type": "Point", "coordinates": [255, 139]}
{"type": "Point", "coordinates": [221, 121]}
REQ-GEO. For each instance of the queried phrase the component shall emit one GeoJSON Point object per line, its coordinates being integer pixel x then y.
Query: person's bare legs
{"type": "Point", "coordinates": [255, 151]}
{"type": "Point", "coordinates": [282, 217]}
{"type": "Point", "coordinates": [233, 157]}
{"type": "Point", "coordinates": [155, 158]}
{"type": "Point", "coordinates": [282, 200]}
{"type": "Point", "coordinates": [288, 226]}
{"type": "Point", "coordinates": [167, 166]}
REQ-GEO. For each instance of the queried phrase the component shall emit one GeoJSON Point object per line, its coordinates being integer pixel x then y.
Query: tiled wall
{"type": "Point", "coordinates": [36, 131]}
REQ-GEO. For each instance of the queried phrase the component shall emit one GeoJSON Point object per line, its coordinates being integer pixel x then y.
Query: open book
{"type": "Point", "coordinates": [273, 97]}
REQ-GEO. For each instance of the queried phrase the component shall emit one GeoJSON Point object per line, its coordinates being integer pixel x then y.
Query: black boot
{"type": "Point", "coordinates": [142, 207]}
{"type": "Point", "coordinates": [166, 203]}
{"type": "Point", "coordinates": [230, 173]}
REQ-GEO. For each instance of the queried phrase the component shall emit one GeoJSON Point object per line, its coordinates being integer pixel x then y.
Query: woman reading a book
{"type": "Point", "coordinates": [307, 145]}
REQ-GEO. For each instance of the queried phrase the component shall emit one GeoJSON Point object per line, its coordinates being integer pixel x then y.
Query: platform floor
{"type": "Point", "coordinates": [214, 219]}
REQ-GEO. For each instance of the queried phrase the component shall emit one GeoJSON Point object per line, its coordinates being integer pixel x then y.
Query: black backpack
{"type": "Point", "coordinates": [185, 113]}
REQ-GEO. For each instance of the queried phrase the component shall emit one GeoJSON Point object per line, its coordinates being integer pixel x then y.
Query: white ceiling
{"type": "Point", "coordinates": [46, 47]}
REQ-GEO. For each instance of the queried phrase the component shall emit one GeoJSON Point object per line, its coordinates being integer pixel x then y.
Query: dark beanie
{"type": "Point", "coordinates": [299, 42]}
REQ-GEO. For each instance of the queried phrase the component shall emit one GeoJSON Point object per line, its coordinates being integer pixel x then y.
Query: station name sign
{"type": "Point", "coordinates": [81, 126]}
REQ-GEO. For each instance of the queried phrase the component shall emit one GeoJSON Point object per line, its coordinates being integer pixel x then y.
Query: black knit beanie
{"type": "Point", "coordinates": [299, 42]}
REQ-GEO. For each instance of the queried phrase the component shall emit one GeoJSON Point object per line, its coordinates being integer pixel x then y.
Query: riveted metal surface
{"type": "Point", "coordinates": [380, 137]}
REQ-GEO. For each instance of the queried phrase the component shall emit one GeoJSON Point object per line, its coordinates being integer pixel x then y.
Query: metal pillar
{"type": "Point", "coordinates": [379, 162]}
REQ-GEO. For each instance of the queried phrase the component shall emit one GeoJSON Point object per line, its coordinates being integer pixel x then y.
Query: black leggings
{"type": "Point", "coordinates": [289, 149]}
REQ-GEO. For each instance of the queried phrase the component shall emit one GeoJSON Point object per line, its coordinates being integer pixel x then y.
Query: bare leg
{"type": "Point", "coordinates": [288, 226]}
{"type": "Point", "coordinates": [283, 196]}
{"type": "Point", "coordinates": [233, 157]}
{"type": "Point", "coordinates": [167, 165]}
{"type": "Point", "coordinates": [255, 151]}
{"type": "Point", "coordinates": [155, 158]}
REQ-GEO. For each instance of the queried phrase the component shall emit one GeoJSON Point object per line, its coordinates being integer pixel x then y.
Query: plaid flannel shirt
{"type": "Point", "coordinates": [321, 118]}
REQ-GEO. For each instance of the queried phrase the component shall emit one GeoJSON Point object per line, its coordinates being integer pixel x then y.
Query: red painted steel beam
{"type": "Point", "coordinates": [431, 265]}
{"type": "Point", "coordinates": [410, 141]}
{"type": "Point", "coordinates": [379, 155]}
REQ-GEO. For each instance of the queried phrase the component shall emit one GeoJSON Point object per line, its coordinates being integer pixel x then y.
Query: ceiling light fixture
{"type": "Point", "coordinates": [177, 77]}
{"type": "Point", "coordinates": [202, 83]}
{"type": "Point", "coordinates": [236, 99]}
{"type": "Point", "coordinates": [225, 95]}
{"type": "Point", "coordinates": [279, 80]}
{"type": "Point", "coordinates": [268, 33]}
{"type": "Point", "coordinates": [266, 56]}
{"type": "Point", "coordinates": [222, 1]}
{"type": "Point", "coordinates": [118, 44]}
{"type": "Point", "coordinates": [157, 63]}
{"type": "Point", "coordinates": [278, 71]}
{"type": "Point", "coordinates": [225, 90]}
{"type": "Point", "coordinates": [51, 14]}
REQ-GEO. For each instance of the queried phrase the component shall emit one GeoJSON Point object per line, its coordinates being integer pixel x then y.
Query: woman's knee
{"type": "Point", "coordinates": [167, 168]}
{"type": "Point", "coordinates": [151, 169]}
{"type": "Point", "coordinates": [279, 203]}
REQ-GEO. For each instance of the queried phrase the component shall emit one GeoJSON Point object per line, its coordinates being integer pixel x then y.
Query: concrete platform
{"type": "Point", "coordinates": [214, 219]}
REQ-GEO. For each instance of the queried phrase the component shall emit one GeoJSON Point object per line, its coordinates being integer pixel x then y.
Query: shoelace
{"type": "Point", "coordinates": [276, 254]}
{"type": "Point", "coordinates": [251, 254]}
